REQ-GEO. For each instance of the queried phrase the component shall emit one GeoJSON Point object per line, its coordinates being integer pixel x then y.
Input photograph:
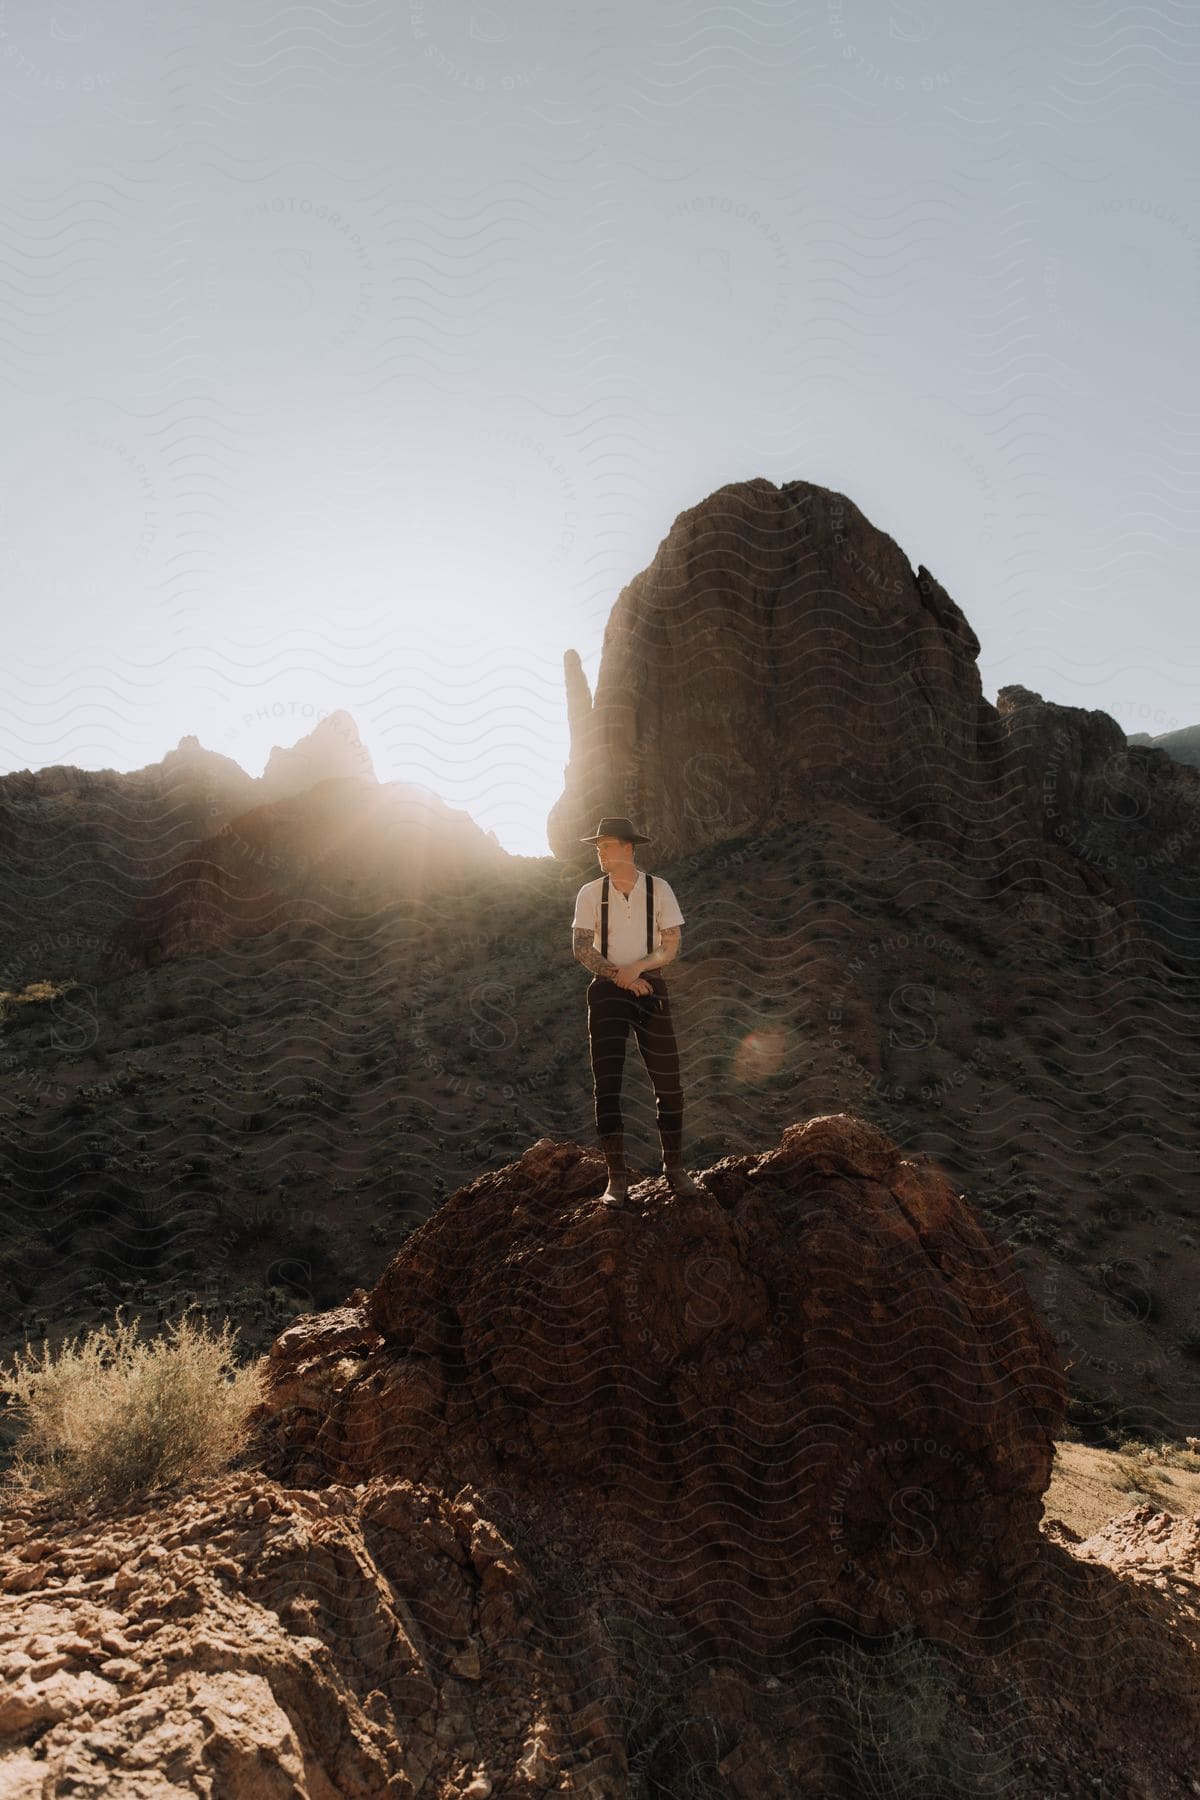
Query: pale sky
{"type": "Point", "coordinates": [357, 355]}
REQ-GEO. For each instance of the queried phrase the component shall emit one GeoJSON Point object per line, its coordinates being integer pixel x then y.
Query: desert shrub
{"type": "Point", "coordinates": [1138, 1479]}
{"type": "Point", "coordinates": [112, 1416]}
{"type": "Point", "coordinates": [902, 1733]}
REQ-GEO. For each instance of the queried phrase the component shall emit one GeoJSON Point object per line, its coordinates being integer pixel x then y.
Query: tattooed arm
{"type": "Point", "coordinates": [583, 952]}
{"type": "Point", "coordinates": [670, 950]}
{"type": "Point", "coordinates": [591, 958]}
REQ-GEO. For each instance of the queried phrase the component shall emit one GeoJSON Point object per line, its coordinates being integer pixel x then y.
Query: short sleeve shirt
{"type": "Point", "coordinates": [626, 916]}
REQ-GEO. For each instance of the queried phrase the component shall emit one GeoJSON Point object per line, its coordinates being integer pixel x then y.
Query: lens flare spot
{"type": "Point", "coordinates": [760, 1055]}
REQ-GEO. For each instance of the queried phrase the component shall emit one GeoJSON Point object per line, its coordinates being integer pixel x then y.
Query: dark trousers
{"type": "Point", "coordinates": [612, 1013]}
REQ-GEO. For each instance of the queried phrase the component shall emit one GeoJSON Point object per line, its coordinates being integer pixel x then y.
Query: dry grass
{"type": "Point", "coordinates": [1137, 1476]}
{"type": "Point", "coordinates": [112, 1416]}
{"type": "Point", "coordinates": [1089, 1486]}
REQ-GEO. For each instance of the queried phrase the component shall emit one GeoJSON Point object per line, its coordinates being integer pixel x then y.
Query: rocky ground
{"type": "Point", "coordinates": [747, 1495]}
{"type": "Point", "coordinates": [256, 1639]}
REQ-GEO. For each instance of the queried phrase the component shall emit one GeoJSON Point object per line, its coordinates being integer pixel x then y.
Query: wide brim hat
{"type": "Point", "coordinates": [618, 828]}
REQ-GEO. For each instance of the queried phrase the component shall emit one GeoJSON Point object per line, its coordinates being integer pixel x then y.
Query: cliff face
{"type": "Point", "coordinates": [780, 658]}
{"type": "Point", "coordinates": [779, 652]}
{"type": "Point", "coordinates": [1120, 808]}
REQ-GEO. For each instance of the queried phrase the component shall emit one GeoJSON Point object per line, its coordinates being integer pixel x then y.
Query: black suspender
{"type": "Point", "coordinates": [649, 917]}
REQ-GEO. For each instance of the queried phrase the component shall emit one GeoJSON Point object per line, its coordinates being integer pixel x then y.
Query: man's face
{"type": "Point", "coordinates": [613, 853]}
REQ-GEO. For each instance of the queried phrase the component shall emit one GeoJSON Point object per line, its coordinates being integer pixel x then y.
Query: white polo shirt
{"type": "Point", "coordinates": [626, 916]}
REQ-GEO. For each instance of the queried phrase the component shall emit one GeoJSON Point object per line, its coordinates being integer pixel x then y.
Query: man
{"type": "Point", "coordinates": [625, 931]}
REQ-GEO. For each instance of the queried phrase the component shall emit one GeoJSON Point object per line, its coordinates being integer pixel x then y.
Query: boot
{"type": "Point", "coordinates": [613, 1145]}
{"type": "Point", "coordinates": [678, 1179]}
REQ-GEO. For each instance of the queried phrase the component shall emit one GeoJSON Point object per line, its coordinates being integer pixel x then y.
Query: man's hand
{"type": "Point", "coordinates": [628, 975]}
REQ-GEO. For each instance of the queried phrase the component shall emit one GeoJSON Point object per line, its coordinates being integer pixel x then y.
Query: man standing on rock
{"type": "Point", "coordinates": [625, 931]}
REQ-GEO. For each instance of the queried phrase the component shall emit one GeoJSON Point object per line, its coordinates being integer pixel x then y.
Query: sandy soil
{"type": "Point", "coordinates": [1089, 1487]}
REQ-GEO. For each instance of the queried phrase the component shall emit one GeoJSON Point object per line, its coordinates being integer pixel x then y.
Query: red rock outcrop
{"type": "Point", "coordinates": [251, 1641]}
{"type": "Point", "coordinates": [779, 657]}
{"type": "Point", "coordinates": [759, 1399]}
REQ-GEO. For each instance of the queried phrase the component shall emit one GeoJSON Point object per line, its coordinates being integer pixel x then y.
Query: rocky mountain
{"type": "Point", "coordinates": [737, 1495]}
{"type": "Point", "coordinates": [1117, 807]}
{"type": "Point", "coordinates": [778, 653]}
{"type": "Point", "coordinates": [1182, 746]}
{"type": "Point", "coordinates": [189, 852]}
{"type": "Point", "coordinates": [340, 848]}
{"type": "Point", "coordinates": [780, 657]}
{"type": "Point", "coordinates": [331, 751]}
{"type": "Point", "coordinates": [79, 847]}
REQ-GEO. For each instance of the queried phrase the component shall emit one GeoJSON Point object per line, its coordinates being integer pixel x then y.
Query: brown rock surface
{"type": "Point", "coordinates": [596, 1501]}
{"type": "Point", "coordinates": [1152, 1548]}
{"type": "Point", "coordinates": [280, 1643]}
{"type": "Point", "coordinates": [738, 1389]}
{"type": "Point", "coordinates": [779, 657]}
{"type": "Point", "coordinates": [1118, 807]}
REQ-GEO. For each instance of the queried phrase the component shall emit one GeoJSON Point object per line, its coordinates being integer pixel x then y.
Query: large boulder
{"type": "Point", "coordinates": [817, 1391]}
